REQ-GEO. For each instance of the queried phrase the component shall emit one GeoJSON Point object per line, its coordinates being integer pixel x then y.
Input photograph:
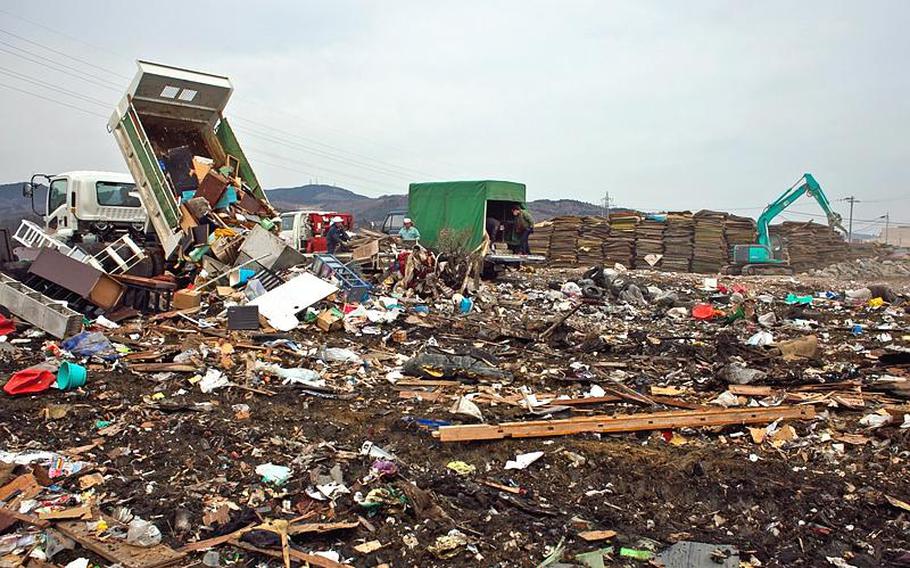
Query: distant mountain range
{"type": "Point", "coordinates": [366, 210]}
{"type": "Point", "coordinates": [14, 207]}
{"type": "Point", "coordinates": [373, 209]}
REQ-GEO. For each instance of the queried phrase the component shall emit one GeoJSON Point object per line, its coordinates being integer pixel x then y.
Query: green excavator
{"type": "Point", "coordinates": [767, 255]}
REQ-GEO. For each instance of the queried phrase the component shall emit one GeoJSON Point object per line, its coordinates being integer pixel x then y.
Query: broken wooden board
{"type": "Point", "coordinates": [128, 556]}
{"type": "Point", "coordinates": [23, 487]}
{"type": "Point", "coordinates": [162, 367]}
{"type": "Point", "coordinates": [623, 423]}
{"type": "Point", "coordinates": [315, 560]}
{"type": "Point", "coordinates": [82, 512]}
{"type": "Point", "coordinates": [215, 541]}
{"type": "Point", "coordinates": [594, 536]}
{"type": "Point", "coordinates": [9, 517]}
{"type": "Point", "coordinates": [307, 528]}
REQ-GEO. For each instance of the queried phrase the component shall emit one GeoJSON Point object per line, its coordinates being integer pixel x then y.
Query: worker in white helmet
{"type": "Point", "coordinates": [408, 232]}
{"type": "Point", "coordinates": [335, 235]}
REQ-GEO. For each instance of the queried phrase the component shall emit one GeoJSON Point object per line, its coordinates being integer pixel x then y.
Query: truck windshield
{"type": "Point", "coordinates": [116, 194]}
{"type": "Point", "coordinates": [287, 221]}
{"type": "Point", "coordinates": [393, 223]}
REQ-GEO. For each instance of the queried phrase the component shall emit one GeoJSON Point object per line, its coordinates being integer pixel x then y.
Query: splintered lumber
{"type": "Point", "coordinates": [22, 518]}
{"type": "Point", "coordinates": [128, 556]}
{"type": "Point", "coordinates": [312, 559]}
{"type": "Point", "coordinates": [623, 423]}
{"type": "Point", "coordinates": [307, 528]}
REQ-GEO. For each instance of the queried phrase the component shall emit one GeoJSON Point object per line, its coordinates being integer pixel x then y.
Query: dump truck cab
{"type": "Point", "coordinates": [83, 203]}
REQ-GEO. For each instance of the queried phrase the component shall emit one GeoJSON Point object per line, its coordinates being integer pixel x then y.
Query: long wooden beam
{"type": "Point", "coordinates": [623, 423]}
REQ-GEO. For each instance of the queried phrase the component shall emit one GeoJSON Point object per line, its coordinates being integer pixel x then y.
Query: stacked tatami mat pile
{"type": "Point", "coordinates": [710, 251]}
{"type": "Point", "coordinates": [539, 242]}
{"type": "Point", "coordinates": [564, 241]}
{"type": "Point", "coordinates": [591, 236]}
{"type": "Point", "coordinates": [810, 245]}
{"type": "Point", "coordinates": [678, 242]}
{"type": "Point", "coordinates": [738, 231]}
{"type": "Point", "coordinates": [649, 240]}
{"type": "Point", "coordinates": [620, 244]}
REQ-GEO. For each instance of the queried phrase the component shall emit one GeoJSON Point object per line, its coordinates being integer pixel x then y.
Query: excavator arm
{"type": "Point", "coordinates": [805, 184]}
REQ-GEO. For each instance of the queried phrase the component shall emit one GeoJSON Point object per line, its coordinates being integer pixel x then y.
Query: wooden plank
{"type": "Point", "coordinates": [678, 403]}
{"type": "Point", "coordinates": [584, 401]}
{"type": "Point", "coordinates": [424, 395]}
{"type": "Point", "coordinates": [162, 367]}
{"type": "Point", "coordinates": [623, 423]}
{"type": "Point", "coordinates": [307, 528]}
{"type": "Point", "coordinates": [128, 556]}
{"type": "Point", "coordinates": [82, 512]}
{"type": "Point", "coordinates": [427, 383]}
{"type": "Point", "coordinates": [313, 559]}
{"type": "Point", "coordinates": [215, 541]}
{"type": "Point", "coordinates": [21, 488]}
{"type": "Point", "coordinates": [750, 390]}
{"type": "Point", "coordinates": [27, 519]}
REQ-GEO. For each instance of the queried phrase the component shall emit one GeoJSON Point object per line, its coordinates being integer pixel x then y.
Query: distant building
{"type": "Point", "coordinates": [898, 235]}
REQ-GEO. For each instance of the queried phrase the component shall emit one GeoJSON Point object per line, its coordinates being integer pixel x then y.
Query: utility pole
{"type": "Point", "coordinates": [887, 217]}
{"type": "Point", "coordinates": [851, 200]}
{"type": "Point", "coordinates": [605, 203]}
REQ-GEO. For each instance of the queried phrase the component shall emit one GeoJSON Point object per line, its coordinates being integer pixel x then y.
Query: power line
{"type": "Point", "coordinates": [243, 100]}
{"type": "Point", "coordinates": [64, 71]}
{"type": "Point", "coordinates": [55, 101]}
{"type": "Point", "coordinates": [64, 54]}
{"type": "Point", "coordinates": [293, 145]}
{"type": "Point", "coordinates": [255, 149]}
{"type": "Point", "coordinates": [56, 66]}
{"type": "Point", "coordinates": [111, 85]}
{"type": "Point", "coordinates": [52, 87]}
{"type": "Point", "coordinates": [317, 142]}
{"type": "Point", "coordinates": [61, 33]}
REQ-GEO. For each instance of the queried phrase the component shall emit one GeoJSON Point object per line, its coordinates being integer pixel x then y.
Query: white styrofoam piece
{"type": "Point", "coordinates": [281, 305]}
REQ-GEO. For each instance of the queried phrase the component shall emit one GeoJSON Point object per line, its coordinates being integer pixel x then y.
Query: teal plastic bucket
{"type": "Point", "coordinates": [70, 376]}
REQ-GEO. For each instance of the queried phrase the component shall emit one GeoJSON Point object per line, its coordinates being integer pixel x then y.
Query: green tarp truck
{"type": "Point", "coordinates": [460, 208]}
{"type": "Point", "coordinates": [457, 211]}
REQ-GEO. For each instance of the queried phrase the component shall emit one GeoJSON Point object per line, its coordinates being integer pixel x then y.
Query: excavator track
{"type": "Point", "coordinates": [766, 270]}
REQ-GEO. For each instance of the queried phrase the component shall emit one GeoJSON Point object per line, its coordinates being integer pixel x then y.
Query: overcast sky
{"type": "Point", "coordinates": [666, 105]}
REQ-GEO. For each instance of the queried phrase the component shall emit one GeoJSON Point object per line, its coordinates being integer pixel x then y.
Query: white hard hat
{"type": "Point", "coordinates": [337, 220]}
{"type": "Point", "coordinates": [408, 220]}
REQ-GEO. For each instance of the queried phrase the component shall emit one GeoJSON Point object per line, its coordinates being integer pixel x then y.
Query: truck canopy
{"type": "Point", "coordinates": [460, 207]}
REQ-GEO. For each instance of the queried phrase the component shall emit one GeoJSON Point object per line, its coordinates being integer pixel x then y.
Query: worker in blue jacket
{"type": "Point", "coordinates": [408, 232]}
{"type": "Point", "coordinates": [336, 235]}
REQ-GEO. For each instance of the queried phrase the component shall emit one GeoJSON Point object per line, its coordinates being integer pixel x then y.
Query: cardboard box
{"type": "Point", "coordinates": [186, 299]}
{"type": "Point", "coordinates": [329, 320]}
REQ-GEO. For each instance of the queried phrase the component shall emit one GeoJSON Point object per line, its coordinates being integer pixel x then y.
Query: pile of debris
{"type": "Point", "coordinates": [683, 242]}
{"type": "Point", "coordinates": [679, 242]}
{"type": "Point", "coordinates": [619, 245]}
{"type": "Point", "coordinates": [604, 416]}
{"type": "Point", "coordinates": [810, 245]}
{"type": "Point", "coordinates": [863, 268]}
